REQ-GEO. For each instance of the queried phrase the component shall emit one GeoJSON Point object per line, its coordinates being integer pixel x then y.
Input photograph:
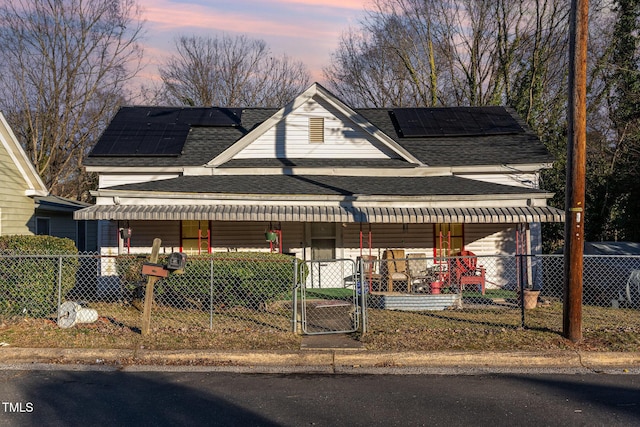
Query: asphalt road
{"type": "Point", "coordinates": [113, 398]}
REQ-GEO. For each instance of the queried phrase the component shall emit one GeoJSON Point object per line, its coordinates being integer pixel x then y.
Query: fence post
{"type": "Point", "coordinates": [364, 292]}
{"type": "Point", "coordinates": [59, 286]}
{"type": "Point", "coordinates": [211, 292]}
{"type": "Point", "coordinates": [520, 284]}
{"type": "Point", "coordinates": [294, 298]}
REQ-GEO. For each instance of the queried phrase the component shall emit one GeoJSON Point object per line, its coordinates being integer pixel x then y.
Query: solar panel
{"type": "Point", "coordinates": [460, 121]}
{"type": "Point", "coordinates": [158, 131]}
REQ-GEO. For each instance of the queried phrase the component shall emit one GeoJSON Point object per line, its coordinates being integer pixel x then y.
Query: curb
{"type": "Point", "coordinates": [333, 359]}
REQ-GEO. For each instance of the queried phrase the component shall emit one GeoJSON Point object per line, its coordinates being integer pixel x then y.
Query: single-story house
{"type": "Point", "coordinates": [331, 180]}
{"type": "Point", "coordinates": [54, 217]}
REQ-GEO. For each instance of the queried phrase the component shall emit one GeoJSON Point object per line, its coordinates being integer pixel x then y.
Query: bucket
{"type": "Point", "coordinates": [271, 236]}
{"type": "Point", "coordinates": [435, 287]}
{"type": "Point", "coordinates": [530, 299]}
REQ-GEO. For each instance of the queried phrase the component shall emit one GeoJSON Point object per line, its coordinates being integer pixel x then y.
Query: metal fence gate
{"type": "Point", "coordinates": [330, 300]}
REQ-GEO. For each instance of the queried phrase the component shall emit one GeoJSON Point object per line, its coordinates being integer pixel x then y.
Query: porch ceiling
{"type": "Point", "coordinates": [321, 214]}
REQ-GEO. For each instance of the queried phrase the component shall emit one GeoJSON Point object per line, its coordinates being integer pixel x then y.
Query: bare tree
{"type": "Point", "coordinates": [65, 67]}
{"type": "Point", "coordinates": [230, 71]}
{"type": "Point", "coordinates": [459, 52]}
{"type": "Point", "coordinates": [363, 73]}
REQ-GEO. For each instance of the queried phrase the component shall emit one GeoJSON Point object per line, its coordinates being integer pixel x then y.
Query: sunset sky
{"type": "Point", "coordinates": [305, 30]}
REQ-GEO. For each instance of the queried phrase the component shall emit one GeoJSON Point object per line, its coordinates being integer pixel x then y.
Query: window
{"type": "Point", "coordinates": [316, 130]}
{"type": "Point", "coordinates": [81, 235]}
{"type": "Point", "coordinates": [449, 240]}
{"type": "Point", "coordinates": [43, 226]}
{"type": "Point", "coordinates": [195, 237]}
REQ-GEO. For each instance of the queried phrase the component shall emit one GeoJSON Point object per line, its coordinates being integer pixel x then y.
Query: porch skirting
{"type": "Point", "coordinates": [347, 214]}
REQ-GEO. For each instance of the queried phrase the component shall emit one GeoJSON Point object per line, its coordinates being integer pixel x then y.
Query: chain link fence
{"type": "Point", "coordinates": [243, 291]}
{"type": "Point", "coordinates": [330, 297]}
{"type": "Point", "coordinates": [502, 291]}
{"type": "Point", "coordinates": [223, 292]}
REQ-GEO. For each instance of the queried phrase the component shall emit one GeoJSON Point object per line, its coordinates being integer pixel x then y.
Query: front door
{"type": "Point", "coordinates": [323, 250]}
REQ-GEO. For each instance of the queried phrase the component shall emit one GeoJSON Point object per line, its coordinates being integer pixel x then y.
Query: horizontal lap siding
{"type": "Point", "coordinates": [490, 239]}
{"type": "Point", "coordinates": [290, 138]}
{"type": "Point", "coordinates": [17, 208]}
{"type": "Point", "coordinates": [249, 236]}
{"type": "Point", "coordinates": [142, 235]}
{"type": "Point", "coordinates": [415, 238]}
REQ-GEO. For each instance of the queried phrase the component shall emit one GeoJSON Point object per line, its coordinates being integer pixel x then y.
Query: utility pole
{"type": "Point", "coordinates": [576, 165]}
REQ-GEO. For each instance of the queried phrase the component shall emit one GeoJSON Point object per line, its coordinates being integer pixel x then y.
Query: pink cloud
{"type": "Point", "coordinates": [307, 30]}
{"type": "Point", "coordinates": [166, 18]}
{"type": "Point", "coordinates": [341, 4]}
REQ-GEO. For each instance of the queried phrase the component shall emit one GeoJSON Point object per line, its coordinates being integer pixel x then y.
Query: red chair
{"type": "Point", "coordinates": [468, 272]}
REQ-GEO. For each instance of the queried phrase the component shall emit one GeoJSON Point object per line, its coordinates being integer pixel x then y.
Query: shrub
{"type": "Point", "coordinates": [29, 267]}
{"type": "Point", "coordinates": [228, 279]}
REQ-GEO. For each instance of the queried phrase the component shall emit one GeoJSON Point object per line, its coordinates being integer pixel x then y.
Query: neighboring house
{"type": "Point", "coordinates": [19, 185]}
{"type": "Point", "coordinates": [25, 204]}
{"type": "Point", "coordinates": [54, 217]}
{"type": "Point", "coordinates": [335, 181]}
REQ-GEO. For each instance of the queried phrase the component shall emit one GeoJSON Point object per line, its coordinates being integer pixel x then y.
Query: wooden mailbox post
{"type": "Point", "coordinates": [154, 271]}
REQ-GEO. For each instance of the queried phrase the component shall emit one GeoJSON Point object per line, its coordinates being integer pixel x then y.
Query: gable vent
{"type": "Point", "coordinates": [316, 129]}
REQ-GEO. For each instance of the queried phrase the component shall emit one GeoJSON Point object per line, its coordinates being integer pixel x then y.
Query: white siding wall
{"type": "Point", "coordinates": [416, 238]}
{"type": "Point", "coordinates": [528, 180]}
{"type": "Point", "coordinates": [490, 239]}
{"type": "Point", "coordinates": [110, 180]}
{"type": "Point", "coordinates": [290, 138]}
{"type": "Point", "coordinates": [483, 239]}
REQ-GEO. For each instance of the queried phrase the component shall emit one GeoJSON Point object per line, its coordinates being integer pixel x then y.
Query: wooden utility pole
{"type": "Point", "coordinates": [576, 165]}
{"type": "Point", "coordinates": [148, 294]}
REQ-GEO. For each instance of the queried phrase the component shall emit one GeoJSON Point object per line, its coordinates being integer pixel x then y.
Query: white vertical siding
{"type": "Point", "coordinates": [343, 139]}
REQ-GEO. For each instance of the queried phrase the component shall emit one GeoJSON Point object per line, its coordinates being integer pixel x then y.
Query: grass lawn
{"type": "Point", "coordinates": [604, 329]}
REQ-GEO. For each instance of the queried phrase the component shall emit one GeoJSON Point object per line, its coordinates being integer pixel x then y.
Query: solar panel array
{"type": "Point", "coordinates": [460, 121]}
{"type": "Point", "coordinates": [158, 131]}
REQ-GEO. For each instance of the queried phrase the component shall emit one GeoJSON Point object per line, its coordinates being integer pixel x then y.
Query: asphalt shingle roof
{"type": "Point", "coordinates": [205, 143]}
{"type": "Point", "coordinates": [518, 148]}
{"type": "Point", "coordinates": [330, 185]}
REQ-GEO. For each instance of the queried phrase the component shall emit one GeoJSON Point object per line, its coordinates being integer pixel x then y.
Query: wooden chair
{"type": "Point", "coordinates": [467, 271]}
{"type": "Point", "coordinates": [394, 270]}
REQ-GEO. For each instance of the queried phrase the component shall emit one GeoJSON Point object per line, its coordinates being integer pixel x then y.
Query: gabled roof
{"type": "Point", "coordinates": [316, 90]}
{"type": "Point", "coordinates": [216, 145]}
{"type": "Point", "coordinates": [35, 185]}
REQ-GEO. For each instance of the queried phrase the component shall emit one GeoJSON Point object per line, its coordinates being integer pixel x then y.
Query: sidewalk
{"type": "Point", "coordinates": [325, 360]}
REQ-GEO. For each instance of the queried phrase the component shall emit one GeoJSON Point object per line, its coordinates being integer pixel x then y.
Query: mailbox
{"type": "Point", "coordinates": [176, 261]}
{"type": "Point", "coordinates": [125, 233]}
{"type": "Point", "coordinates": [157, 270]}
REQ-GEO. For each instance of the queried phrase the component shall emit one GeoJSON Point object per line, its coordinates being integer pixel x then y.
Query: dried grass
{"type": "Point", "coordinates": [604, 329]}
